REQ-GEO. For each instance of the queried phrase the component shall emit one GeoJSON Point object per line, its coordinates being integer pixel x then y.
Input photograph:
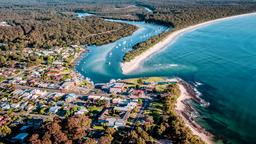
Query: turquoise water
{"type": "Point", "coordinates": [222, 56]}
{"type": "Point", "coordinates": [102, 63]}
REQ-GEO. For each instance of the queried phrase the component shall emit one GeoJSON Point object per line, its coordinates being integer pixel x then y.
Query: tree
{"type": "Point", "coordinates": [34, 139]}
{"type": "Point", "coordinates": [140, 81]}
{"type": "Point", "coordinates": [77, 125]}
{"type": "Point", "coordinates": [42, 111]}
{"type": "Point", "coordinates": [173, 89]}
{"type": "Point", "coordinates": [106, 139]}
{"type": "Point", "coordinates": [90, 141]}
{"type": "Point", "coordinates": [141, 141]}
{"type": "Point", "coordinates": [2, 60]}
{"type": "Point", "coordinates": [134, 135]}
{"type": "Point", "coordinates": [50, 59]}
{"type": "Point", "coordinates": [110, 131]}
{"type": "Point", "coordinates": [161, 129]}
{"type": "Point", "coordinates": [4, 131]}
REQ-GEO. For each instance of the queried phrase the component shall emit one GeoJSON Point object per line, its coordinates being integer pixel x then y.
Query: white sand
{"type": "Point", "coordinates": [180, 106]}
{"type": "Point", "coordinates": [128, 67]}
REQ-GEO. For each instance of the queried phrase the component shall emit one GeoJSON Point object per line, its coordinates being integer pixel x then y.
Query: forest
{"type": "Point", "coordinates": [47, 28]}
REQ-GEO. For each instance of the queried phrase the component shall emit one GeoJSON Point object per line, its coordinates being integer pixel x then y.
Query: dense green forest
{"type": "Point", "coordinates": [42, 28]}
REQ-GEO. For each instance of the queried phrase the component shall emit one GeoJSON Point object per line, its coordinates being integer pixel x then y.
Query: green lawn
{"type": "Point", "coordinates": [94, 108]}
{"type": "Point", "coordinates": [98, 127]}
{"type": "Point", "coordinates": [2, 78]}
{"type": "Point", "coordinates": [149, 79]}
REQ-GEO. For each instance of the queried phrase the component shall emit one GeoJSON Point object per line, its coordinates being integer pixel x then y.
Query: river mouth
{"type": "Point", "coordinates": [103, 63]}
{"type": "Point", "coordinates": [219, 59]}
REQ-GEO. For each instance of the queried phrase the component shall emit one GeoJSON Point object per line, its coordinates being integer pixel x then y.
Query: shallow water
{"type": "Point", "coordinates": [102, 63]}
{"type": "Point", "coordinates": [222, 56]}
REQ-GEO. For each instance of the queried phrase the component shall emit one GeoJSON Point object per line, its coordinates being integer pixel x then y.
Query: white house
{"type": "Point", "coordinates": [54, 109]}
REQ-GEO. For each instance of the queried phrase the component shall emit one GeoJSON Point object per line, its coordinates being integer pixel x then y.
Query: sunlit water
{"type": "Point", "coordinates": [222, 56]}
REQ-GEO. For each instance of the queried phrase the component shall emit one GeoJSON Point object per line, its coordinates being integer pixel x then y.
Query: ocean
{"type": "Point", "coordinates": [221, 56]}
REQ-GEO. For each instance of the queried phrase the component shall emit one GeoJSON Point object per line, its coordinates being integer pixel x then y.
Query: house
{"type": "Point", "coordinates": [117, 101]}
{"type": "Point", "coordinates": [3, 120]}
{"type": "Point", "coordinates": [81, 111]}
{"type": "Point", "coordinates": [93, 97]}
{"type": "Point", "coordinates": [107, 86]}
{"type": "Point", "coordinates": [4, 24]}
{"type": "Point", "coordinates": [29, 107]}
{"type": "Point", "coordinates": [137, 94]}
{"type": "Point", "coordinates": [70, 97]}
{"type": "Point", "coordinates": [58, 63]}
{"type": "Point", "coordinates": [120, 123]}
{"type": "Point", "coordinates": [17, 92]}
{"type": "Point", "coordinates": [174, 80]}
{"type": "Point", "coordinates": [5, 106]}
{"type": "Point", "coordinates": [60, 103]}
{"type": "Point", "coordinates": [132, 105]}
{"type": "Point", "coordinates": [67, 85]}
{"type": "Point", "coordinates": [121, 108]}
{"type": "Point", "coordinates": [102, 117]}
{"type": "Point", "coordinates": [111, 121]}
{"type": "Point", "coordinates": [117, 88]}
{"type": "Point", "coordinates": [54, 109]}
{"type": "Point", "coordinates": [23, 105]}
{"type": "Point", "coordinates": [24, 128]}
{"type": "Point", "coordinates": [21, 137]}
{"type": "Point", "coordinates": [35, 123]}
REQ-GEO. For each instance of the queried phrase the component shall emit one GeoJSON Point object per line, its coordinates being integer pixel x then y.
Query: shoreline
{"type": "Point", "coordinates": [183, 109]}
{"type": "Point", "coordinates": [128, 67]}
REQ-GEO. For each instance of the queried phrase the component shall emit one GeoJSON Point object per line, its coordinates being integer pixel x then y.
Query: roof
{"type": "Point", "coordinates": [21, 136]}
{"type": "Point", "coordinates": [119, 85]}
{"type": "Point", "coordinates": [137, 92]}
{"type": "Point", "coordinates": [54, 109]}
{"type": "Point", "coordinates": [94, 97]}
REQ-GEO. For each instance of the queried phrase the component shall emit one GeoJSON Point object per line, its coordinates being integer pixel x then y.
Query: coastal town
{"type": "Point", "coordinates": [39, 87]}
{"type": "Point", "coordinates": [32, 96]}
{"type": "Point", "coordinates": [126, 72]}
{"type": "Point", "coordinates": [41, 93]}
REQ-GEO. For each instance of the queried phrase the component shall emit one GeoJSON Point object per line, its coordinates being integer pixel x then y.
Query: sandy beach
{"type": "Point", "coordinates": [181, 107]}
{"type": "Point", "coordinates": [128, 67]}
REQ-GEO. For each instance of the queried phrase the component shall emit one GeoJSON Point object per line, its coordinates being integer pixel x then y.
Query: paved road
{"type": "Point", "coordinates": [49, 90]}
{"type": "Point", "coordinates": [39, 116]}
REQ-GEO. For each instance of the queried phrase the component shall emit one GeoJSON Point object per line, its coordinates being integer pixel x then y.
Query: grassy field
{"type": "Point", "coordinates": [145, 80]}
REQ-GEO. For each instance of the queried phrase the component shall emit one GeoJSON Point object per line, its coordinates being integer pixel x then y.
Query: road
{"type": "Point", "coordinates": [38, 116]}
{"type": "Point", "coordinates": [144, 106]}
{"type": "Point", "coordinates": [51, 90]}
